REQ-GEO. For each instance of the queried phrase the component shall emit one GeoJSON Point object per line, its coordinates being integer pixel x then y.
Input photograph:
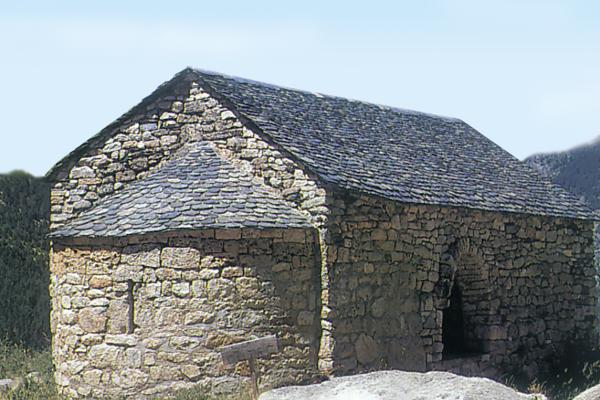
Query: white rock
{"type": "Point", "coordinates": [227, 115]}
{"type": "Point", "coordinates": [592, 393]}
{"type": "Point", "coordinates": [82, 172]}
{"type": "Point", "coordinates": [34, 377]}
{"type": "Point", "coordinates": [121, 340]}
{"type": "Point", "coordinates": [396, 385]}
{"type": "Point", "coordinates": [6, 384]}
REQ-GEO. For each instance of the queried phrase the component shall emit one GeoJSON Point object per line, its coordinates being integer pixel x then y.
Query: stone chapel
{"type": "Point", "coordinates": [363, 236]}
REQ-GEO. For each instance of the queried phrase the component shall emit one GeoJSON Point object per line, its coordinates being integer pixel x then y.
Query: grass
{"type": "Point", "coordinates": [197, 394]}
{"type": "Point", "coordinates": [190, 394]}
{"type": "Point", "coordinates": [16, 362]}
{"type": "Point", "coordinates": [577, 370]}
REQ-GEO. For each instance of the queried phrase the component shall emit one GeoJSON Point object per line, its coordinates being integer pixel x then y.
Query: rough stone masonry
{"type": "Point", "coordinates": [366, 238]}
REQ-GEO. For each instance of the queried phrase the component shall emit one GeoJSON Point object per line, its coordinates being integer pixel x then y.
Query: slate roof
{"type": "Point", "coordinates": [397, 154]}
{"type": "Point", "coordinates": [392, 153]}
{"type": "Point", "coordinates": [195, 189]}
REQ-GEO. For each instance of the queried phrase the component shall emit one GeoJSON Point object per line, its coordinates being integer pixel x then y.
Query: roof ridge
{"type": "Point", "coordinates": [324, 95]}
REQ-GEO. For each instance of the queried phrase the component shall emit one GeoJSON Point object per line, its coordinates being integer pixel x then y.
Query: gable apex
{"type": "Point", "coordinates": [62, 167]}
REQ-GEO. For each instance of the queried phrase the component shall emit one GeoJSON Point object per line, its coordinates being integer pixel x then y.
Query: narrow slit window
{"type": "Point", "coordinates": [130, 306]}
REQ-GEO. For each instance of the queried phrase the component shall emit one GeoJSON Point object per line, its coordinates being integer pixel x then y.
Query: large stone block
{"type": "Point", "coordinates": [130, 378]}
{"type": "Point", "coordinates": [367, 349]}
{"type": "Point", "coordinates": [92, 319]}
{"type": "Point", "coordinates": [228, 234]}
{"type": "Point", "coordinates": [118, 316]}
{"type": "Point", "coordinates": [105, 356]}
{"type": "Point", "coordinates": [121, 340]}
{"type": "Point", "coordinates": [100, 281]}
{"type": "Point", "coordinates": [146, 256]}
{"type": "Point", "coordinates": [126, 272]}
{"type": "Point", "coordinates": [180, 257]}
{"type": "Point", "coordinates": [82, 172]}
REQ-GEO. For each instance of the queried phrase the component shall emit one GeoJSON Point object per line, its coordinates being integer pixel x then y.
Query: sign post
{"type": "Point", "coordinates": [250, 350]}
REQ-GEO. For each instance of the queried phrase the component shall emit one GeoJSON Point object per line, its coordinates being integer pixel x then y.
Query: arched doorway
{"type": "Point", "coordinates": [464, 297]}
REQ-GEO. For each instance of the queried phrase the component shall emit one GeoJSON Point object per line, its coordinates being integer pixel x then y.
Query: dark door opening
{"type": "Point", "coordinates": [453, 326]}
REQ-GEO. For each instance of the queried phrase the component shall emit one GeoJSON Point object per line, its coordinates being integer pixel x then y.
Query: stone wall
{"type": "Point", "coordinates": [528, 285]}
{"type": "Point", "coordinates": [145, 140]}
{"type": "Point", "coordinates": [386, 269]}
{"type": "Point", "coordinates": [138, 317]}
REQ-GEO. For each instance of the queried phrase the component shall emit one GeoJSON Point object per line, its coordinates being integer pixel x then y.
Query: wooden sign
{"type": "Point", "coordinates": [257, 348]}
{"type": "Point", "coordinates": [250, 350]}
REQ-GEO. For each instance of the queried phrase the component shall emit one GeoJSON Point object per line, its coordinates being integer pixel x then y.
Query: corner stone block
{"type": "Point", "coordinates": [180, 257]}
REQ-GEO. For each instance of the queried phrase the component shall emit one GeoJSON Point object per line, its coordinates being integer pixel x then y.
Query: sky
{"type": "Point", "coordinates": [524, 73]}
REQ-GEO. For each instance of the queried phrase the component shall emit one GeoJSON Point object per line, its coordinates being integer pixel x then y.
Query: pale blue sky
{"type": "Point", "coordinates": [524, 73]}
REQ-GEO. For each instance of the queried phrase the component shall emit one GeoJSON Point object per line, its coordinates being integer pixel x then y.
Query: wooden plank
{"type": "Point", "coordinates": [254, 379]}
{"type": "Point", "coordinates": [257, 348]}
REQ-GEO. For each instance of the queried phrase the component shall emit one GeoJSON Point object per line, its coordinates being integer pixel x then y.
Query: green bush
{"type": "Point", "coordinates": [16, 362]}
{"type": "Point", "coordinates": [568, 374]}
{"type": "Point", "coordinates": [200, 394]}
{"type": "Point", "coordinates": [24, 275]}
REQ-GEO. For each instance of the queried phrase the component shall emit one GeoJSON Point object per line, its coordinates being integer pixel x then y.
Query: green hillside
{"type": "Point", "coordinates": [24, 277]}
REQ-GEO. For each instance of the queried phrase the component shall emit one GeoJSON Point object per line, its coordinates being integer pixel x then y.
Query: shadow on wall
{"type": "Point", "coordinates": [465, 297]}
{"type": "Point", "coordinates": [24, 274]}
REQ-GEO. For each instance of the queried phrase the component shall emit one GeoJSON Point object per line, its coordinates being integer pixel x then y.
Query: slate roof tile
{"type": "Point", "coordinates": [397, 154]}
{"type": "Point", "coordinates": [186, 200]}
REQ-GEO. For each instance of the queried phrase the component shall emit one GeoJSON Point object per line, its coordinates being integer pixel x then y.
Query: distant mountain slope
{"type": "Point", "coordinates": [577, 170]}
{"type": "Point", "coordinates": [24, 276]}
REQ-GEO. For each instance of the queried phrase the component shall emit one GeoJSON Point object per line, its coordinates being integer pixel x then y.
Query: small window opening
{"type": "Point", "coordinates": [131, 306]}
{"type": "Point", "coordinates": [453, 326]}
